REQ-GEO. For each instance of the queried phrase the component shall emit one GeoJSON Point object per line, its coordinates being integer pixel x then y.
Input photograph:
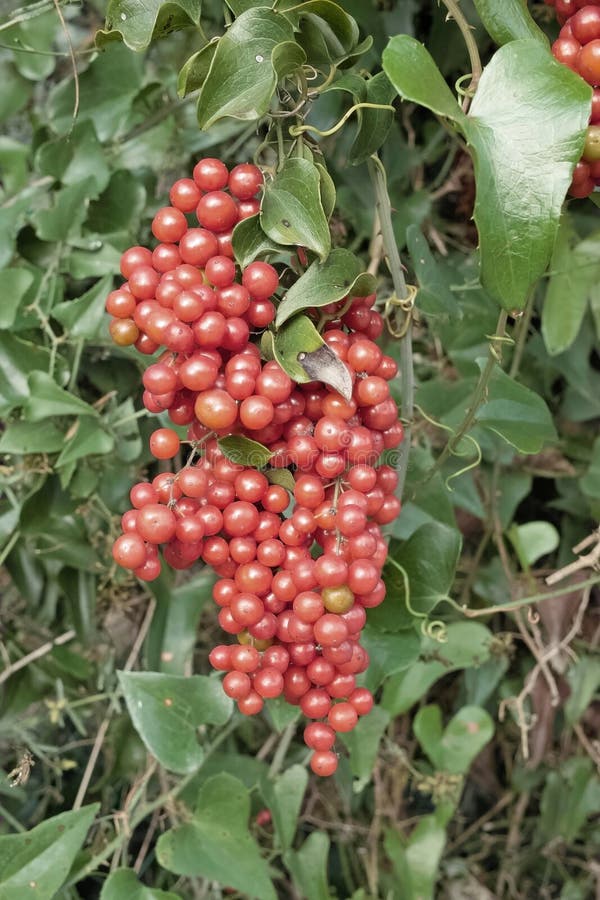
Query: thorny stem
{"type": "Point", "coordinates": [456, 13]}
{"type": "Point", "coordinates": [384, 211]}
{"type": "Point", "coordinates": [477, 399]}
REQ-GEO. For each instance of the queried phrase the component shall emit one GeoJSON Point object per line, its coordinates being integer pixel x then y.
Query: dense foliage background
{"type": "Point", "coordinates": [476, 775]}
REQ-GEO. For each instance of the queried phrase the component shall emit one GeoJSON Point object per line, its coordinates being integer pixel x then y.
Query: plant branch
{"type": "Point", "coordinates": [392, 255]}
{"type": "Point", "coordinates": [456, 13]}
{"type": "Point", "coordinates": [37, 654]}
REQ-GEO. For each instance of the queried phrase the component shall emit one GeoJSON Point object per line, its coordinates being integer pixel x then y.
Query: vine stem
{"type": "Point", "coordinates": [478, 398]}
{"type": "Point", "coordinates": [148, 808]}
{"type": "Point", "coordinates": [392, 255]}
{"type": "Point", "coordinates": [457, 14]}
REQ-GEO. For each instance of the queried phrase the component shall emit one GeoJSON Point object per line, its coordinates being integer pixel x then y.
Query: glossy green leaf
{"type": "Point", "coordinates": [291, 211]}
{"type": "Point", "coordinates": [416, 861]}
{"type": "Point", "coordinates": [281, 476]}
{"type": "Point", "coordinates": [137, 24]}
{"type": "Point", "coordinates": [17, 359]}
{"type": "Point", "coordinates": [429, 558]}
{"type": "Point", "coordinates": [216, 843]}
{"type": "Point", "coordinates": [327, 190]}
{"type": "Point", "coordinates": [514, 412]}
{"type": "Point", "coordinates": [373, 124]}
{"type": "Point", "coordinates": [47, 399]}
{"type": "Point", "coordinates": [34, 865]}
{"type": "Point", "coordinates": [303, 354]}
{"type": "Point", "coordinates": [122, 884]}
{"type": "Point", "coordinates": [14, 284]}
{"type": "Point", "coordinates": [167, 710]}
{"type": "Point", "coordinates": [434, 296]}
{"type": "Point", "coordinates": [533, 540]}
{"type": "Point", "coordinates": [454, 748]}
{"type": "Point", "coordinates": [86, 437]}
{"type": "Point", "coordinates": [413, 72]}
{"type": "Point", "coordinates": [574, 274]}
{"type": "Point", "coordinates": [363, 744]}
{"type": "Point", "coordinates": [467, 645]}
{"type": "Point", "coordinates": [192, 74]}
{"type": "Point", "coordinates": [241, 79]}
{"type": "Point", "coordinates": [520, 184]}
{"type": "Point", "coordinates": [509, 20]}
{"type": "Point", "coordinates": [308, 866]}
{"type": "Point", "coordinates": [283, 796]}
{"type": "Point", "coordinates": [85, 317]}
{"type": "Point", "coordinates": [250, 242]}
{"type": "Point", "coordinates": [341, 275]}
{"type": "Point", "coordinates": [388, 653]}
{"type": "Point", "coordinates": [244, 451]}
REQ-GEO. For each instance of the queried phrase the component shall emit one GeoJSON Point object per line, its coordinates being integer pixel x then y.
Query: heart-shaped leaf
{"type": "Point", "coordinates": [342, 274]}
{"type": "Point", "coordinates": [137, 24]}
{"type": "Point", "coordinates": [167, 710]}
{"type": "Point", "coordinates": [292, 212]}
{"type": "Point", "coordinates": [216, 844]}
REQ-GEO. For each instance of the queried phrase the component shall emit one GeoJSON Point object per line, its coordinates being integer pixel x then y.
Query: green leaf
{"type": "Point", "coordinates": [34, 865]}
{"type": "Point", "coordinates": [291, 211]}
{"type": "Point", "coordinates": [533, 540]}
{"type": "Point", "coordinates": [284, 797]}
{"type": "Point", "coordinates": [25, 437]}
{"type": "Point", "coordinates": [509, 20]}
{"type": "Point", "coordinates": [17, 359]}
{"type": "Point", "coordinates": [119, 207]}
{"type": "Point", "coordinates": [388, 653]}
{"type": "Point", "coordinates": [574, 274]}
{"type": "Point", "coordinates": [281, 713]}
{"type": "Point", "coordinates": [373, 124]}
{"type": "Point", "coordinates": [167, 710]}
{"type": "Point", "coordinates": [216, 844]}
{"type": "Point", "coordinates": [242, 78]}
{"type": "Point", "coordinates": [514, 412]}
{"type": "Point", "coordinates": [303, 354]}
{"type": "Point", "coordinates": [416, 862]}
{"type": "Point", "coordinates": [327, 190]}
{"type": "Point", "coordinates": [590, 482]}
{"type": "Point", "coordinates": [429, 558]}
{"type": "Point", "coordinates": [584, 681]}
{"type": "Point", "coordinates": [16, 90]}
{"type": "Point", "coordinates": [465, 735]}
{"type": "Point", "coordinates": [172, 635]}
{"type": "Point", "coordinates": [87, 437]}
{"type": "Point", "coordinates": [244, 451]}
{"type": "Point", "coordinates": [341, 275]}
{"type": "Point", "coordinates": [65, 218]}
{"type": "Point", "coordinates": [414, 74]}
{"type": "Point", "coordinates": [85, 317]}
{"type": "Point", "coordinates": [81, 157]}
{"type": "Point", "coordinates": [14, 159]}
{"type": "Point", "coordinates": [569, 797]}
{"type": "Point", "coordinates": [467, 646]}
{"type": "Point", "coordinates": [434, 296]}
{"type": "Point", "coordinates": [34, 34]}
{"type": "Point", "coordinates": [308, 866]}
{"type": "Point", "coordinates": [193, 73]}
{"type": "Point", "coordinates": [122, 884]}
{"type": "Point", "coordinates": [520, 184]}
{"type": "Point", "coordinates": [250, 242]}
{"type": "Point", "coordinates": [137, 24]}
{"type": "Point", "coordinates": [47, 399]}
{"type": "Point", "coordinates": [363, 744]}
{"type": "Point", "coordinates": [107, 89]}
{"type": "Point", "coordinates": [14, 284]}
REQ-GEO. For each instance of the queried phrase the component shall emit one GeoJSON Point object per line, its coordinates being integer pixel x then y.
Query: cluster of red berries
{"type": "Point", "coordinates": [578, 46]}
{"type": "Point", "coordinates": [297, 545]}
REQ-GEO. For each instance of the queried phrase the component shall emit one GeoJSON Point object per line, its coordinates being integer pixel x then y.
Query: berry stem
{"type": "Point", "coordinates": [392, 255]}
